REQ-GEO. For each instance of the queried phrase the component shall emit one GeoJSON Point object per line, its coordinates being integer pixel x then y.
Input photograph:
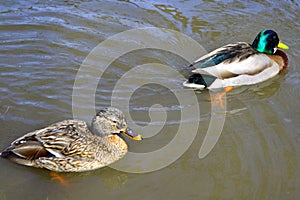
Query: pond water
{"type": "Point", "coordinates": [44, 48]}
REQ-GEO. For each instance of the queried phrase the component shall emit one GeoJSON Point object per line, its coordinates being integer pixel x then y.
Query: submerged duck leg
{"type": "Point", "coordinates": [219, 97]}
{"type": "Point", "coordinates": [59, 179]}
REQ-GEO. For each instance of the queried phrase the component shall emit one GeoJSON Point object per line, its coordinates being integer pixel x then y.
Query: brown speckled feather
{"type": "Point", "coordinates": [70, 146]}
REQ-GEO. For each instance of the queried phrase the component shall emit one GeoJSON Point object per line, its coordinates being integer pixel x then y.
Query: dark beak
{"type": "Point", "coordinates": [132, 135]}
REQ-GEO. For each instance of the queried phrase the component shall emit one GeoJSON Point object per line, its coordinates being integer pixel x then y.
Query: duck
{"type": "Point", "coordinates": [239, 64]}
{"type": "Point", "coordinates": [72, 145]}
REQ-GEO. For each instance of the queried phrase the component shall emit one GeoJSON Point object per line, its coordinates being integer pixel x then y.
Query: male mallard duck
{"type": "Point", "coordinates": [240, 63]}
{"type": "Point", "coordinates": [71, 146]}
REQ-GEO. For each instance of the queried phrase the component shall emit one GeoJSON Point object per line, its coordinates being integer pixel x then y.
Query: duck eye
{"type": "Point", "coordinates": [114, 121]}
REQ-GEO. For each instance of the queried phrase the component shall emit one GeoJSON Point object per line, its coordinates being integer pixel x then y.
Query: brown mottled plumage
{"type": "Point", "coordinates": [71, 146]}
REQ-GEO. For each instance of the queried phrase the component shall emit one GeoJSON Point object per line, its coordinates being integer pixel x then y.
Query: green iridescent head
{"type": "Point", "coordinates": [267, 41]}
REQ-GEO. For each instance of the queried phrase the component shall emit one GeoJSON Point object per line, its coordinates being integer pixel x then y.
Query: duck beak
{"type": "Point", "coordinates": [132, 135]}
{"type": "Point", "coordinates": [282, 46]}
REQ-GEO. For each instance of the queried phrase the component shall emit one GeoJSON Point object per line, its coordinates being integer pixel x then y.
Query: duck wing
{"type": "Point", "coordinates": [53, 141]}
{"type": "Point", "coordinates": [232, 60]}
{"type": "Point", "coordinates": [228, 53]}
{"type": "Point", "coordinates": [253, 65]}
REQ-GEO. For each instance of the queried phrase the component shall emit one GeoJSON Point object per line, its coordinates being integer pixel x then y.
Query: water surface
{"type": "Point", "coordinates": [42, 45]}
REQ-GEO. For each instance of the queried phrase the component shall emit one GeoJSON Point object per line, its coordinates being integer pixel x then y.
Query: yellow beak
{"type": "Point", "coordinates": [282, 46]}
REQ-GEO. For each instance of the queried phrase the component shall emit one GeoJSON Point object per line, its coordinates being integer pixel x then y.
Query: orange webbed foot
{"type": "Point", "coordinates": [218, 98]}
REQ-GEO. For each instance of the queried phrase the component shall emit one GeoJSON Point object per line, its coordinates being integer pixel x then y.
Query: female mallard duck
{"type": "Point", "coordinates": [71, 146]}
{"type": "Point", "coordinates": [240, 63]}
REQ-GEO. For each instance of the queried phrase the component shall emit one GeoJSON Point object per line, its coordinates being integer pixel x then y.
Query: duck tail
{"type": "Point", "coordinates": [5, 154]}
{"type": "Point", "coordinates": [199, 81]}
